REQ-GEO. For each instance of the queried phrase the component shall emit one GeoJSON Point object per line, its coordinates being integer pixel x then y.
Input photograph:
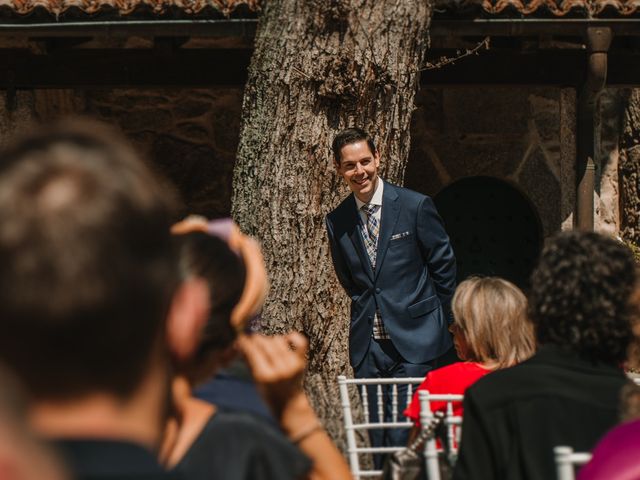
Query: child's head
{"type": "Point", "coordinates": [490, 324]}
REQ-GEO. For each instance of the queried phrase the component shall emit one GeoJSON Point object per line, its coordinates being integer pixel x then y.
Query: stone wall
{"type": "Point", "coordinates": [191, 135]}
{"type": "Point", "coordinates": [16, 114]}
{"type": "Point", "coordinates": [525, 136]}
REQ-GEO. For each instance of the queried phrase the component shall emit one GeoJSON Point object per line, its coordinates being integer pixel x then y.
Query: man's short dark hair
{"type": "Point", "coordinates": [349, 136]}
{"type": "Point", "coordinates": [86, 261]}
{"type": "Point", "coordinates": [580, 295]}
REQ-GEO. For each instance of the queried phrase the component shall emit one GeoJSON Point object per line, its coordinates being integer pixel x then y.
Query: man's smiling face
{"type": "Point", "coordinates": [359, 168]}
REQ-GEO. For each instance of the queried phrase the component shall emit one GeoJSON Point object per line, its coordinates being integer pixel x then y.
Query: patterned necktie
{"type": "Point", "coordinates": [373, 228]}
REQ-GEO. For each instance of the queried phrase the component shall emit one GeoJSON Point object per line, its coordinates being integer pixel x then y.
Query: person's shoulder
{"type": "Point", "coordinates": [456, 376]}
{"type": "Point", "coordinates": [406, 195]}
{"type": "Point", "coordinates": [239, 428]}
{"type": "Point", "coordinates": [240, 422]}
{"type": "Point", "coordinates": [238, 445]}
{"type": "Point", "coordinates": [404, 191]}
{"type": "Point", "coordinates": [342, 208]}
{"type": "Point", "coordinates": [624, 436]}
{"type": "Point", "coordinates": [500, 386]}
{"type": "Point", "coordinates": [625, 433]}
{"type": "Point", "coordinates": [451, 369]}
{"type": "Point", "coordinates": [249, 427]}
{"type": "Point", "coordinates": [615, 455]}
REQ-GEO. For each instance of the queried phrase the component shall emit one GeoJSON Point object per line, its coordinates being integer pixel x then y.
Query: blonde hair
{"type": "Point", "coordinates": [491, 314]}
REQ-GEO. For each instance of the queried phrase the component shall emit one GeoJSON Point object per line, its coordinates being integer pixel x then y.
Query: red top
{"type": "Point", "coordinates": [454, 378]}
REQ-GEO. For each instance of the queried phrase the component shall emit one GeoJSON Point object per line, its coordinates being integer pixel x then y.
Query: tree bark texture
{"type": "Point", "coordinates": [630, 170]}
{"type": "Point", "coordinates": [320, 66]}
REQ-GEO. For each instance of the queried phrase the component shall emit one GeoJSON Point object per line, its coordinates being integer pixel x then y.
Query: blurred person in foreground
{"type": "Point", "coordinates": [92, 309]}
{"type": "Point", "coordinates": [490, 331]}
{"type": "Point", "coordinates": [568, 393]}
{"type": "Point", "coordinates": [617, 455]}
{"type": "Point", "coordinates": [204, 441]}
{"type": "Point", "coordinates": [22, 456]}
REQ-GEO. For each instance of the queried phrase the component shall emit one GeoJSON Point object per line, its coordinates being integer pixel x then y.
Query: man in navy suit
{"type": "Point", "coordinates": [393, 257]}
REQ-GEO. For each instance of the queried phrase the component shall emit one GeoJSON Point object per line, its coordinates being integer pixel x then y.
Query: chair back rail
{"type": "Point", "coordinates": [453, 424]}
{"type": "Point", "coordinates": [351, 427]}
{"type": "Point", "coordinates": [567, 460]}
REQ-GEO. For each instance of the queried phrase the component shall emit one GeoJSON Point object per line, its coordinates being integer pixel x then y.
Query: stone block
{"type": "Point", "coordinates": [472, 155]}
{"type": "Point", "coordinates": [190, 134]}
{"type": "Point", "coordinates": [543, 189]}
{"type": "Point", "coordinates": [491, 110]}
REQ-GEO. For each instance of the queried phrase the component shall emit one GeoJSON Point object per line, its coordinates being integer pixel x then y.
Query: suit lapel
{"type": "Point", "coordinates": [388, 220]}
{"type": "Point", "coordinates": [354, 223]}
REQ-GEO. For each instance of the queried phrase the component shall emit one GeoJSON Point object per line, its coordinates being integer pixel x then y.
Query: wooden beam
{"type": "Point", "coordinates": [553, 67]}
{"type": "Point", "coordinates": [149, 68]}
{"type": "Point", "coordinates": [96, 68]}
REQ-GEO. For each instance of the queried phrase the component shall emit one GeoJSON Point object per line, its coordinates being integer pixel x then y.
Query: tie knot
{"type": "Point", "coordinates": [369, 209]}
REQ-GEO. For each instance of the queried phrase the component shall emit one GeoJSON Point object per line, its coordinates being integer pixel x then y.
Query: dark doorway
{"type": "Point", "coordinates": [494, 229]}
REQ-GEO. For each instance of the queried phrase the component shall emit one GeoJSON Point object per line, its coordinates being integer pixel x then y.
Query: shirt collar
{"type": "Point", "coordinates": [106, 458]}
{"type": "Point", "coordinates": [377, 196]}
{"type": "Point", "coordinates": [565, 357]}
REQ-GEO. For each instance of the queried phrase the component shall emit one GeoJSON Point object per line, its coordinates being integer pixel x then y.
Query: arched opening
{"type": "Point", "coordinates": [494, 229]}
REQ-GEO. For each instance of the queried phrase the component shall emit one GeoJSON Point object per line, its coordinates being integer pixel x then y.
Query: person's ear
{"type": "Point", "coordinates": [187, 316]}
{"type": "Point", "coordinates": [376, 158]}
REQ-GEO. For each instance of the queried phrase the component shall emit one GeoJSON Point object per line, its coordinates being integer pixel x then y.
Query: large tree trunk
{"type": "Point", "coordinates": [630, 170]}
{"type": "Point", "coordinates": [320, 66]}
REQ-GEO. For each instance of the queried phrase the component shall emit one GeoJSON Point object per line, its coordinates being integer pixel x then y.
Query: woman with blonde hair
{"type": "Point", "coordinates": [490, 331]}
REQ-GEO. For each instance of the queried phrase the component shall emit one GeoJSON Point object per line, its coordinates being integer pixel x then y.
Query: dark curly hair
{"type": "Point", "coordinates": [580, 295]}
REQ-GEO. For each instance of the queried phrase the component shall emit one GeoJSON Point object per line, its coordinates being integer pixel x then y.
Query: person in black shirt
{"type": "Point", "coordinates": [568, 393]}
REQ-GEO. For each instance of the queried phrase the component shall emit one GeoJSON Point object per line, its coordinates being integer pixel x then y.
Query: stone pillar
{"type": "Point", "coordinates": [567, 157]}
{"type": "Point", "coordinates": [607, 139]}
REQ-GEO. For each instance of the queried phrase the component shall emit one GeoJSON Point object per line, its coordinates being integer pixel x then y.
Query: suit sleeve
{"type": "Point", "coordinates": [475, 458]}
{"type": "Point", "coordinates": [339, 264]}
{"type": "Point", "coordinates": [437, 253]}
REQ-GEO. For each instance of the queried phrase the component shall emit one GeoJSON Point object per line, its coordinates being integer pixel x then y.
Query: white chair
{"type": "Point", "coordinates": [453, 424]}
{"type": "Point", "coordinates": [397, 421]}
{"type": "Point", "coordinates": [567, 460]}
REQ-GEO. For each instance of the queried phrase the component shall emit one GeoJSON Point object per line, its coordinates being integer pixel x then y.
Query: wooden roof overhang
{"type": "Point", "coordinates": [199, 43]}
{"type": "Point", "coordinates": [201, 53]}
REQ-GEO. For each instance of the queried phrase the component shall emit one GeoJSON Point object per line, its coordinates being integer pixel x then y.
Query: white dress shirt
{"type": "Point", "coordinates": [375, 200]}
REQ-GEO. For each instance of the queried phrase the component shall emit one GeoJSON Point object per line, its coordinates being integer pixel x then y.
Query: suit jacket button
{"type": "Point", "coordinates": [378, 290]}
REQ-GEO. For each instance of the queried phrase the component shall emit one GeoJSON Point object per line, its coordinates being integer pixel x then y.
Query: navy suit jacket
{"type": "Point", "coordinates": [413, 281]}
